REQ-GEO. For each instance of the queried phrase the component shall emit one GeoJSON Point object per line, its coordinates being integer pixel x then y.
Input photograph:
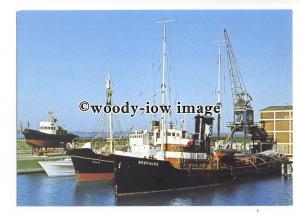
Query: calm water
{"type": "Point", "coordinates": [39, 190]}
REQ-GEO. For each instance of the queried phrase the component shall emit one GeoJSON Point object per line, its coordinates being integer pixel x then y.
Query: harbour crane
{"type": "Point", "coordinates": [242, 108]}
{"type": "Point", "coordinates": [243, 111]}
{"type": "Point", "coordinates": [243, 117]}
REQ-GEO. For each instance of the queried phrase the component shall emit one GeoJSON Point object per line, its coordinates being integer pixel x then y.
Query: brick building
{"type": "Point", "coordinates": [278, 122]}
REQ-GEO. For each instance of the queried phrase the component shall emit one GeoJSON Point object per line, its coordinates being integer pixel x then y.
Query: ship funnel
{"type": "Point", "coordinates": [155, 125]}
{"type": "Point", "coordinates": [203, 133]}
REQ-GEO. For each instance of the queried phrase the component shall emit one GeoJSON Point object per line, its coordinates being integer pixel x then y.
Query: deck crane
{"type": "Point", "coordinates": [243, 111]}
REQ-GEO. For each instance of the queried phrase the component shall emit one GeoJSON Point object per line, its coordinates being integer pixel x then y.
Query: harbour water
{"type": "Point", "coordinates": [40, 190]}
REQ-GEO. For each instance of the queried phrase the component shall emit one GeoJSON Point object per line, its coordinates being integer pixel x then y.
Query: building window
{"type": "Point", "coordinates": [282, 115]}
{"type": "Point", "coordinates": [282, 125]}
{"type": "Point", "coordinates": [267, 115]}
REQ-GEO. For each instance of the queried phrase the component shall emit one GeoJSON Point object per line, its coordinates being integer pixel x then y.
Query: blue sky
{"type": "Point", "coordinates": [63, 58]}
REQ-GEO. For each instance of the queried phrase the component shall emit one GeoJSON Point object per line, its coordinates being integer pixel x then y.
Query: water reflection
{"type": "Point", "coordinates": [40, 190]}
{"type": "Point", "coordinates": [188, 197]}
{"type": "Point", "coordinates": [262, 191]}
{"type": "Point", "coordinates": [97, 193]}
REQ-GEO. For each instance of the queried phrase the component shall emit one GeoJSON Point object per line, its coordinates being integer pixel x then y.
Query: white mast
{"type": "Point", "coordinates": [109, 102]}
{"type": "Point", "coordinates": [219, 85]}
{"type": "Point", "coordinates": [163, 85]}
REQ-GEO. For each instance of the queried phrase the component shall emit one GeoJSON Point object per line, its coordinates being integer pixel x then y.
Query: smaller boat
{"type": "Point", "coordinates": [63, 167]}
{"type": "Point", "coordinates": [58, 167]}
{"type": "Point", "coordinates": [49, 135]}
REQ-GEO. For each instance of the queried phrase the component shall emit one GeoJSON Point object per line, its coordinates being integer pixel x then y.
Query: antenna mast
{"type": "Point", "coordinates": [109, 102]}
{"type": "Point", "coordinates": [163, 85]}
{"type": "Point", "coordinates": [219, 86]}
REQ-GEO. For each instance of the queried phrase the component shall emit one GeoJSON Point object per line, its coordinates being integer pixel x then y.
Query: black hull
{"type": "Point", "coordinates": [262, 170]}
{"type": "Point", "coordinates": [136, 175]}
{"type": "Point", "coordinates": [43, 140]}
{"type": "Point", "coordinates": [90, 166]}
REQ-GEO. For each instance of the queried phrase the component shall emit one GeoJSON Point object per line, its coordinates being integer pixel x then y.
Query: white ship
{"type": "Point", "coordinates": [58, 167]}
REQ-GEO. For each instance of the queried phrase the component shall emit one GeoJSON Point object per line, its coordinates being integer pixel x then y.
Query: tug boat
{"type": "Point", "coordinates": [190, 166]}
{"type": "Point", "coordinates": [91, 166]}
{"type": "Point", "coordinates": [182, 163]}
{"type": "Point", "coordinates": [49, 135]}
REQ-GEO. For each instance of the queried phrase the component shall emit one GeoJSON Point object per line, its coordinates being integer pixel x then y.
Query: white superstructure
{"type": "Point", "coordinates": [50, 126]}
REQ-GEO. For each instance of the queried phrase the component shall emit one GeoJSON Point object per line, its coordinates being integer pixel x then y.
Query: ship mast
{"type": "Point", "coordinates": [163, 129]}
{"type": "Point", "coordinates": [109, 102]}
{"type": "Point", "coordinates": [219, 87]}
